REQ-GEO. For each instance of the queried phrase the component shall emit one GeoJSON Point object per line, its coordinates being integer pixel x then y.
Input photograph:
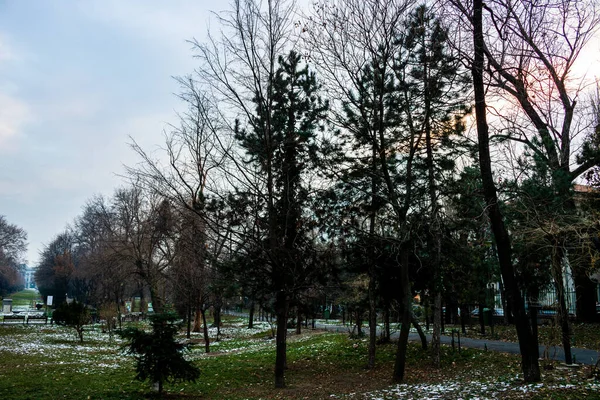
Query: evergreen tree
{"type": "Point", "coordinates": [280, 140]}
{"type": "Point", "coordinates": [434, 89]}
{"type": "Point", "coordinates": [158, 354]}
{"type": "Point", "coordinates": [74, 315]}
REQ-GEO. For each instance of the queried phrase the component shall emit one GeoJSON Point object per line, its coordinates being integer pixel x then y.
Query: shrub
{"type": "Point", "coordinates": [158, 354]}
{"type": "Point", "coordinates": [74, 314]}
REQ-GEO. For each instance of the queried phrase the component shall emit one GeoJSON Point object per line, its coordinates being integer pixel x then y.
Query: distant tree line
{"type": "Point", "coordinates": [13, 243]}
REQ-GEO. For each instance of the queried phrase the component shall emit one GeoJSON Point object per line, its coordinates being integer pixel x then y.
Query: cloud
{"type": "Point", "coordinates": [14, 114]}
{"type": "Point", "coordinates": [164, 21]}
{"type": "Point", "coordinates": [7, 52]}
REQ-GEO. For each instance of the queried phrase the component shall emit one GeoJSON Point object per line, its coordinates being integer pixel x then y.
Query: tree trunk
{"type": "Point", "coordinates": [372, 319]}
{"type": "Point", "coordinates": [298, 321]}
{"type": "Point", "coordinates": [427, 313]}
{"type": "Point", "coordinates": [533, 316]}
{"type": "Point", "coordinates": [442, 317]}
{"type": "Point", "coordinates": [386, 323]}
{"type": "Point", "coordinates": [359, 321]}
{"type": "Point", "coordinates": [529, 361]}
{"type": "Point", "coordinates": [437, 329]}
{"type": "Point", "coordinates": [563, 313]}
{"type": "Point", "coordinates": [281, 308]}
{"type": "Point", "coordinates": [198, 319]}
{"type": "Point", "coordinates": [217, 313]}
{"type": "Point", "coordinates": [419, 331]}
{"type": "Point", "coordinates": [189, 320]}
{"type": "Point", "coordinates": [371, 268]}
{"type": "Point", "coordinates": [447, 313]}
{"type": "Point", "coordinates": [505, 306]}
{"type": "Point", "coordinates": [119, 314]}
{"type": "Point", "coordinates": [481, 317]}
{"type": "Point", "coordinates": [400, 362]}
{"type": "Point", "coordinates": [155, 296]}
{"type": "Point", "coordinates": [251, 316]}
{"type": "Point", "coordinates": [585, 290]}
{"type": "Point", "coordinates": [206, 338]}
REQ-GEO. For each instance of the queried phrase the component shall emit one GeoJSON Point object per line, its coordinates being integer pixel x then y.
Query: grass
{"type": "Point", "coordinates": [47, 362]}
{"type": "Point", "coordinates": [25, 297]}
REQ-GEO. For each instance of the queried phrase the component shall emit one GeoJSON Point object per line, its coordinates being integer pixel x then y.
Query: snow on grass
{"type": "Point", "coordinates": [56, 345]}
{"type": "Point", "coordinates": [473, 390]}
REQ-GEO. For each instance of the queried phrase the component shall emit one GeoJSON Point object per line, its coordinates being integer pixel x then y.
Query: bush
{"type": "Point", "coordinates": [74, 314]}
{"type": "Point", "coordinates": [159, 356]}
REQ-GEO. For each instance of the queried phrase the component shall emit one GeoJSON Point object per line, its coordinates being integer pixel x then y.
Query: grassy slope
{"type": "Point", "coordinates": [25, 297]}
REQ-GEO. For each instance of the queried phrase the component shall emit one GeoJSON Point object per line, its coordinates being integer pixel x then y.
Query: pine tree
{"type": "Point", "coordinates": [158, 353]}
{"type": "Point", "coordinates": [280, 140]}
{"type": "Point", "coordinates": [434, 88]}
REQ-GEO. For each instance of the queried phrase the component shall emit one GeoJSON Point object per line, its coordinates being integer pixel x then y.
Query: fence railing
{"type": "Point", "coordinates": [548, 301]}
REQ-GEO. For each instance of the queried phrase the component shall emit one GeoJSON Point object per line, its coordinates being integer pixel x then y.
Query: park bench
{"type": "Point", "coordinates": [40, 318]}
{"type": "Point", "coordinates": [23, 318]}
{"type": "Point", "coordinates": [13, 318]}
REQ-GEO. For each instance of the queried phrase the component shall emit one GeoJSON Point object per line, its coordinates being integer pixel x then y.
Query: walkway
{"type": "Point", "coordinates": [581, 356]}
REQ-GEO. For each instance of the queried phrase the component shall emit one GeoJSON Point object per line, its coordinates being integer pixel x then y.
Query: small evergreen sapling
{"type": "Point", "coordinates": [74, 314]}
{"type": "Point", "coordinates": [158, 354]}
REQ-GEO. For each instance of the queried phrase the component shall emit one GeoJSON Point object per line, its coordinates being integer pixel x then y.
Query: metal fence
{"type": "Point", "coordinates": [548, 300]}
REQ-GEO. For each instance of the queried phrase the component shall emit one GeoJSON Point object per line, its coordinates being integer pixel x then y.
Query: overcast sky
{"type": "Point", "coordinates": [76, 79]}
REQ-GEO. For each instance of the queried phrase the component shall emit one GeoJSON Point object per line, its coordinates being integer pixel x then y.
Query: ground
{"type": "Point", "coordinates": [43, 361]}
{"type": "Point", "coordinates": [47, 362]}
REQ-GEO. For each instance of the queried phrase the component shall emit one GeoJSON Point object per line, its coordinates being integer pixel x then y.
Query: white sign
{"type": "Point", "coordinates": [49, 301]}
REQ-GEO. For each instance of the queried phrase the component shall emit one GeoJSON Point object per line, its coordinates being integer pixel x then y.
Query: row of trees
{"type": "Point", "coordinates": [329, 158]}
{"type": "Point", "coordinates": [13, 243]}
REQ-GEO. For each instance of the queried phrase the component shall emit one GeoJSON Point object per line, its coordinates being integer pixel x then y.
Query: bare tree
{"type": "Point", "coordinates": [189, 172]}
{"type": "Point", "coordinates": [99, 260]}
{"type": "Point", "coordinates": [531, 371]}
{"type": "Point", "coordinates": [189, 167]}
{"type": "Point", "coordinates": [530, 49]}
{"type": "Point", "coordinates": [351, 41]}
{"type": "Point", "coordinates": [143, 238]}
{"type": "Point", "coordinates": [13, 242]}
{"type": "Point", "coordinates": [240, 67]}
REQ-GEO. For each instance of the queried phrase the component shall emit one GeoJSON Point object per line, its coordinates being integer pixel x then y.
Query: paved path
{"type": "Point", "coordinates": [582, 356]}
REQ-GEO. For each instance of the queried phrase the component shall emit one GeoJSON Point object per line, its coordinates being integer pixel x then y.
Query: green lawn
{"type": "Point", "coordinates": [47, 362]}
{"type": "Point", "coordinates": [25, 297]}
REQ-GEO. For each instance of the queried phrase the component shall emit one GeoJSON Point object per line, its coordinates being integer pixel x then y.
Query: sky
{"type": "Point", "coordinates": [77, 78]}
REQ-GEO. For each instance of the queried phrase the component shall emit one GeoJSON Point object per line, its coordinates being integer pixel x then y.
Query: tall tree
{"type": "Point", "coordinates": [143, 236]}
{"type": "Point", "coordinates": [531, 50]}
{"type": "Point", "coordinates": [530, 365]}
{"type": "Point", "coordinates": [354, 44]}
{"type": "Point", "coordinates": [269, 104]}
{"type": "Point", "coordinates": [433, 88]}
{"type": "Point", "coordinates": [196, 156]}
{"type": "Point", "coordinates": [282, 144]}
{"type": "Point", "coordinates": [13, 243]}
{"type": "Point", "coordinates": [56, 267]}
